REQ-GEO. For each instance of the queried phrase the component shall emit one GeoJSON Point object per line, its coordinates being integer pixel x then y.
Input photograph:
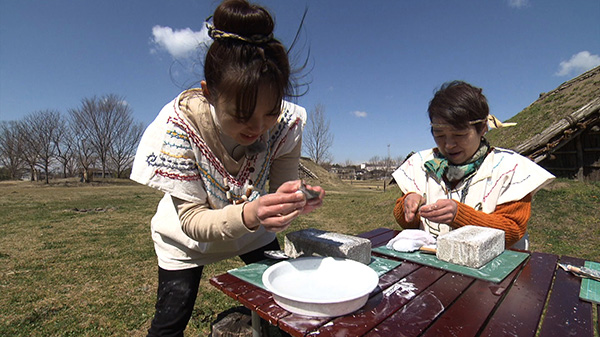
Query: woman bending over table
{"type": "Point", "coordinates": [464, 180]}
{"type": "Point", "coordinates": [226, 157]}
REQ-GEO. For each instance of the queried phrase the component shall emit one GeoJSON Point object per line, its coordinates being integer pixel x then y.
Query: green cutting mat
{"type": "Point", "coordinates": [494, 271]}
{"type": "Point", "coordinates": [253, 272]}
{"type": "Point", "coordinates": [590, 289]}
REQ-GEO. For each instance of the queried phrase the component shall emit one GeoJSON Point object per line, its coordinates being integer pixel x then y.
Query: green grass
{"type": "Point", "coordinates": [78, 260]}
{"type": "Point", "coordinates": [68, 272]}
{"type": "Point", "coordinates": [567, 220]}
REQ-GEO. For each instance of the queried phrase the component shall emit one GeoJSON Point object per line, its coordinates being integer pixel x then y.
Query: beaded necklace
{"type": "Point", "coordinates": [244, 197]}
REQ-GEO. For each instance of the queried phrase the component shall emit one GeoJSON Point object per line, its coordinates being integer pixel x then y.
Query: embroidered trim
{"type": "Point", "coordinates": [497, 180]}
{"type": "Point", "coordinates": [177, 176]}
{"type": "Point", "coordinates": [219, 183]}
{"type": "Point", "coordinates": [177, 146]}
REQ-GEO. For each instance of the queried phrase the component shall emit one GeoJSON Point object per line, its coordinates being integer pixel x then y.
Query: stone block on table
{"type": "Point", "coordinates": [315, 242]}
{"type": "Point", "coordinates": [471, 246]}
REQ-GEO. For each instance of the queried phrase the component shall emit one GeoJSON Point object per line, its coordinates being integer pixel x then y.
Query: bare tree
{"type": "Point", "coordinates": [399, 160]}
{"type": "Point", "coordinates": [124, 146]}
{"type": "Point", "coordinates": [30, 156]}
{"type": "Point", "coordinates": [64, 142]}
{"type": "Point", "coordinates": [100, 120]}
{"type": "Point", "coordinates": [39, 130]}
{"type": "Point", "coordinates": [317, 139]}
{"type": "Point", "coordinates": [348, 163]}
{"type": "Point", "coordinates": [11, 148]}
{"type": "Point", "coordinates": [375, 160]}
{"type": "Point", "coordinates": [84, 153]}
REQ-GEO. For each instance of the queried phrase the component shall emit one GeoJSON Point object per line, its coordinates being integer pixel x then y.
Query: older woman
{"type": "Point", "coordinates": [465, 181]}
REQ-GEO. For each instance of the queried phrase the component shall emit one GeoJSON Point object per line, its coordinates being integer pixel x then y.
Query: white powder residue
{"type": "Point", "coordinates": [401, 288]}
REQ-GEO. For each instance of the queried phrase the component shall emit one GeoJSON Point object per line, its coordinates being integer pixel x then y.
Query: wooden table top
{"type": "Point", "coordinates": [536, 296]}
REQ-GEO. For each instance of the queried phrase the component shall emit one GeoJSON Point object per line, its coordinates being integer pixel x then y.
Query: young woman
{"type": "Point", "coordinates": [465, 181]}
{"type": "Point", "coordinates": [214, 151]}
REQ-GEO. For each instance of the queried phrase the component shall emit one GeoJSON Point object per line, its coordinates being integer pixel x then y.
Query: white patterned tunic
{"type": "Point", "coordinates": [174, 158]}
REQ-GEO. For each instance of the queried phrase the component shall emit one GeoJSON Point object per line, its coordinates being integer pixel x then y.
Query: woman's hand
{"type": "Point", "coordinates": [313, 203]}
{"type": "Point", "coordinates": [412, 202]}
{"type": "Point", "coordinates": [442, 211]}
{"type": "Point", "coordinates": [275, 211]}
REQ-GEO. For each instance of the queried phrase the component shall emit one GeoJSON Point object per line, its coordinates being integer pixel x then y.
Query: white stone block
{"type": "Point", "coordinates": [471, 246]}
{"type": "Point", "coordinates": [314, 242]}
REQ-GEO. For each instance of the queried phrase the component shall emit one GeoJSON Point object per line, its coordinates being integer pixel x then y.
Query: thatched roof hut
{"type": "Point", "coordinates": [561, 129]}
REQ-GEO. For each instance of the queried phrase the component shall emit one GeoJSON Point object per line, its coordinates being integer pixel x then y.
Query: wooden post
{"type": "Point", "coordinates": [580, 162]}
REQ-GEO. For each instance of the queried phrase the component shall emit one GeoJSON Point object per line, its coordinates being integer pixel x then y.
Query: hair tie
{"type": "Point", "coordinates": [492, 122]}
{"type": "Point", "coordinates": [217, 34]}
{"type": "Point", "coordinates": [495, 123]}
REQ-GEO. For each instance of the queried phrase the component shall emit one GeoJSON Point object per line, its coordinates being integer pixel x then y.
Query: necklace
{"type": "Point", "coordinates": [243, 198]}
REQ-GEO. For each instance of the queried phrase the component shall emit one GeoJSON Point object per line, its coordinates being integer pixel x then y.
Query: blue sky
{"type": "Point", "coordinates": [375, 64]}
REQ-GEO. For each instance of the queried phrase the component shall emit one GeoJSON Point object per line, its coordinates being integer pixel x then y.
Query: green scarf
{"type": "Point", "coordinates": [440, 167]}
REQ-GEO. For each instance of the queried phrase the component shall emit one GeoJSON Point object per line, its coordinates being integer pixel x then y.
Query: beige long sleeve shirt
{"type": "Point", "coordinates": [183, 154]}
{"type": "Point", "coordinates": [202, 223]}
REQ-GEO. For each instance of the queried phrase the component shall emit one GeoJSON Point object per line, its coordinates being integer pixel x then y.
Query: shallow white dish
{"type": "Point", "coordinates": [320, 286]}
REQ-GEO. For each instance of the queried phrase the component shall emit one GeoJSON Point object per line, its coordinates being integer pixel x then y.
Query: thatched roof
{"type": "Point", "coordinates": [554, 118]}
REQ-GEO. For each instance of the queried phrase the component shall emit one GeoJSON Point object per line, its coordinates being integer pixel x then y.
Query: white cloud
{"type": "Point", "coordinates": [578, 63]}
{"type": "Point", "coordinates": [359, 114]}
{"type": "Point", "coordinates": [518, 3]}
{"type": "Point", "coordinates": [178, 43]}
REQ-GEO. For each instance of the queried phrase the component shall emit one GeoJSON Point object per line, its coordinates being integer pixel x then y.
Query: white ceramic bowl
{"type": "Point", "coordinates": [320, 286]}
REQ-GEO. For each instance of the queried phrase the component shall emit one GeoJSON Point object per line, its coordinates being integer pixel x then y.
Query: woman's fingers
{"type": "Point", "coordinates": [316, 202]}
{"type": "Point", "coordinates": [280, 222]}
{"type": "Point", "coordinates": [276, 211]}
{"type": "Point", "coordinates": [411, 206]}
{"type": "Point", "coordinates": [274, 207]}
{"type": "Point", "coordinates": [442, 211]}
{"type": "Point", "coordinates": [289, 186]}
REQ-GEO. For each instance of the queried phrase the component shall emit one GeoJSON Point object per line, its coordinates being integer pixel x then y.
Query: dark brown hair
{"type": "Point", "coordinates": [236, 68]}
{"type": "Point", "coordinates": [459, 104]}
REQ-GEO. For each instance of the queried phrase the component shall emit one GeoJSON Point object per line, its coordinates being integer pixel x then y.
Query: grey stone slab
{"type": "Point", "coordinates": [471, 246]}
{"type": "Point", "coordinates": [315, 242]}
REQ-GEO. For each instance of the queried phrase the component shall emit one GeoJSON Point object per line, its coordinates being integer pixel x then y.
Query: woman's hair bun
{"type": "Point", "coordinates": [243, 18]}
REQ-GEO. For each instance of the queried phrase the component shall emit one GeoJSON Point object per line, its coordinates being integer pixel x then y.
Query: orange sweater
{"type": "Point", "coordinates": [510, 217]}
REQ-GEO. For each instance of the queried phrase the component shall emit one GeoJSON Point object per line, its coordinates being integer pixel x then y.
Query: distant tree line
{"type": "Point", "coordinates": [378, 168]}
{"type": "Point", "coordinates": [100, 134]}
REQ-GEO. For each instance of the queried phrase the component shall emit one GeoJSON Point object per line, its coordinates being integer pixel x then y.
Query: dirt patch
{"type": "Point", "coordinates": [96, 210]}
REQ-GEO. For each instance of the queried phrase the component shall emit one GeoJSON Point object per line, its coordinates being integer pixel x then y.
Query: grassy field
{"type": "Point", "coordinates": [78, 260]}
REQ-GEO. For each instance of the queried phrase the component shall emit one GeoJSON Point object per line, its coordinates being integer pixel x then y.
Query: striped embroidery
{"type": "Point", "coordinates": [162, 161]}
{"type": "Point", "coordinates": [497, 180]}
{"type": "Point", "coordinates": [177, 176]}
{"type": "Point", "coordinates": [186, 157]}
{"type": "Point", "coordinates": [410, 165]}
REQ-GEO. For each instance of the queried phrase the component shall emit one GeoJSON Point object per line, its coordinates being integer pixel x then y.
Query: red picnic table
{"type": "Point", "coordinates": [537, 297]}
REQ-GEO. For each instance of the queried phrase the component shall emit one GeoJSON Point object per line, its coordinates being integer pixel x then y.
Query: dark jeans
{"type": "Point", "coordinates": [177, 291]}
